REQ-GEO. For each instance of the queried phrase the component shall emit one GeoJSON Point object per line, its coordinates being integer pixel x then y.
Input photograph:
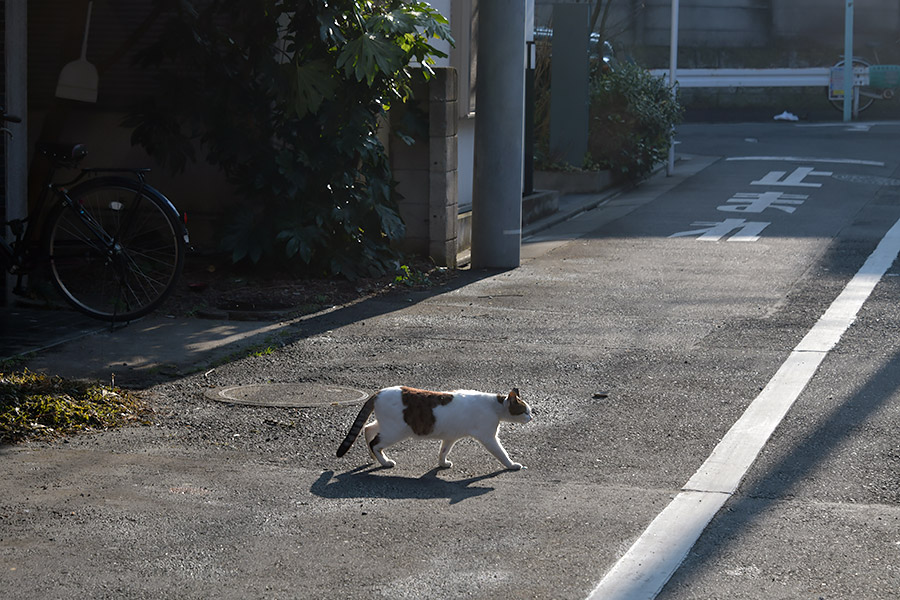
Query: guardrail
{"type": "Point", "coordinates": [694, 78]}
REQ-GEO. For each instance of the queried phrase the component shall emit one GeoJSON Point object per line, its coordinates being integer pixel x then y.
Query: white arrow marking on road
{"type": "Point", "coordinates": [643, 571]}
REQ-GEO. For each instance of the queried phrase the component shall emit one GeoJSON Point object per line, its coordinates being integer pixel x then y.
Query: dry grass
{"type": "Point", "coordinates": [35, 406]}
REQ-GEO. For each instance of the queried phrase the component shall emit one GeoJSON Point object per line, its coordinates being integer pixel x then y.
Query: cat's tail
{"type": "Point", "coordinates": [361, 418]}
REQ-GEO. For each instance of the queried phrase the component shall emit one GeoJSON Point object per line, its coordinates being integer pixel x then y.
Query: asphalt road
{"type": "Point", "coordinates": [639, 332]}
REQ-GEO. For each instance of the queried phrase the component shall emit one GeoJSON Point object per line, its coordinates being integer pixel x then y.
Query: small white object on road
{"type": "Point", "coordinates": [787, 116]}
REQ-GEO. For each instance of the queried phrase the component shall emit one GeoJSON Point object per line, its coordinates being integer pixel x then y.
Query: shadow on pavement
{"type": "Point", "coordinates": [159, 348]}
{"type": "Point", "coordinates": [24, 330]}
{"type": "Point", "coordinates": [384, 304]}
{"type": "Point", "coordinates": [368, 482]}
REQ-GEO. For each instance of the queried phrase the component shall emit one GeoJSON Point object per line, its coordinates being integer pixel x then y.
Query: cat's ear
{"type": "Point", "coordinates": [514, 394]}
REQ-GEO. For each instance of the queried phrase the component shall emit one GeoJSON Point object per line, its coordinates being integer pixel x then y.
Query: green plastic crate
{"type": "Point", "coordinates": [884, 77]}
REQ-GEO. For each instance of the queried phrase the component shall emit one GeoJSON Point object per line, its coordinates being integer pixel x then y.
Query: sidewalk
{"type": "Point", "coordinates": [156, 347]}
{"type": "Point", "coordinates": [142, 352]}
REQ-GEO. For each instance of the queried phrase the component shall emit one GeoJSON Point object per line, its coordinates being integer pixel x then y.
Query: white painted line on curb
{"type": "Point", "coordinates": [643, 571]}
{"type": "Point", "coordinates": [836, 161]}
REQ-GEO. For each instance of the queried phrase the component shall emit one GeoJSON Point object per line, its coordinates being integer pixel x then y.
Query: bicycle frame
{"type": "Point", "coordinates": [16, 254]}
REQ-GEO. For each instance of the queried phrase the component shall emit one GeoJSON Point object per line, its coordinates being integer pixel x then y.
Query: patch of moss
{"type": "Point", "coordinates": [33, 405]}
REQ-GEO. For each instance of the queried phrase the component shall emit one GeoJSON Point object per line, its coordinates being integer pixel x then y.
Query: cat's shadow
{"type": "Point", "coordinates": [371, 482]}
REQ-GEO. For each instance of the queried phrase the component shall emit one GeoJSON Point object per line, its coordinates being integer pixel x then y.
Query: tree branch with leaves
{"type": "Point", "coordinates": [285, 97]}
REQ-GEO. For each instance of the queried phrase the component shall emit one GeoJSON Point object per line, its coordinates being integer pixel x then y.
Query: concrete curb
{"type": "Point", "coordinates": [572, 205]}
{"type": "Point", "coordinates": [576, 204]}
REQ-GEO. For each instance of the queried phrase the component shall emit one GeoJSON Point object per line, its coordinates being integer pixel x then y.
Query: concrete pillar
{"type": "Point", "coordinates": [426, 172]}
{"type": "Point", "coordinates": [443, 153]}
{"type": "Point", "coordinates": [16, 103]}
{"type": "Point", "coordinates": [16, 20]}
{"type": "Point", "coordinates": [499, 135]}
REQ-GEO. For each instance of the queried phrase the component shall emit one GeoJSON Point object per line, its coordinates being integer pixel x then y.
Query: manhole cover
{"type": "Point", "coordinates": [287, 395]}
{"type": "Point", "coordinates": [868, 179]}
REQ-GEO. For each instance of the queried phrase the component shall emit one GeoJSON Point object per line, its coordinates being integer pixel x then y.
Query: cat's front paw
{"type": "Point", "coordinates": [516, 467]}
{"type": "Point", "coordinates": [446, 464]}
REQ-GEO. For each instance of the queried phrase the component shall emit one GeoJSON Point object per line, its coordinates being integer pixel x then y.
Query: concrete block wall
{"type": "Point", "coordinates": [427, 171]}
{"type": "Point", "coordinates": [709, 23]}
{"type": "Point", "coordinates": [728, 23]}
{"type": "Point", "coordinates": [743, 23]}
{"type": "Point", "coordinates": [824, 21]}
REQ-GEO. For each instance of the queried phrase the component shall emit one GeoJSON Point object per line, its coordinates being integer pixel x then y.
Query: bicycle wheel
{"type": "Point", "coordinates": [118, 252]}
{"type": "Point", "coordinates": [864, 101]}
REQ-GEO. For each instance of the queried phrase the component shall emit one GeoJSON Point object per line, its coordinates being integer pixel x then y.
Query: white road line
{"type": "Point", "coordinates": [842, 124]}
{"type": "Point", "coordinates": [643, 571]}
{"type": "Point", "coordinates": [807, 159]}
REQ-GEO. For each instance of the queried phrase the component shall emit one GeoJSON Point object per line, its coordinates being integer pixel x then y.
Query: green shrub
{"type": "Point", "coordinates": [632, 115]}
{"type": "Point", "coordinates": [285, 96]}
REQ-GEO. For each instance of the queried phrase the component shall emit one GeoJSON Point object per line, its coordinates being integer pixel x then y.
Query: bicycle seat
{"type": "Point", "coordinates": [62, 152]}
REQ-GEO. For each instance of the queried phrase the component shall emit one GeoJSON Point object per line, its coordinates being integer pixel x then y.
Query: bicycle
{"type": "Point", "coordinates": [112, 245]}
{"type": "Point", "coordinates": [870, 82]}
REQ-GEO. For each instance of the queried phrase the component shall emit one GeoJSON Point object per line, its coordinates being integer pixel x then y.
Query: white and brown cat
{"type": "Point", "coordinates": [403, 412]}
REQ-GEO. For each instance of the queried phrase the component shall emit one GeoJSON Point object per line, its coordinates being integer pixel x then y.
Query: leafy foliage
{"type": "Point", "coordinates": [285, 97]}
{"type": "Point", "coordinates": [632, 115]}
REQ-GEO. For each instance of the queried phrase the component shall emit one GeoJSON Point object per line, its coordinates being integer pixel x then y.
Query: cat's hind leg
{"type": "Point", "coordinates": [382, 440]}
{"type": "Point", "coordinates": [494, 446]}
{"type": "Point", "coordinates": [446, 447]}
{"type": "Point", "coordinates": [371, 432]}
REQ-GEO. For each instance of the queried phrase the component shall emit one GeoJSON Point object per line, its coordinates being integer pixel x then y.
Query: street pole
{"type": "Point", "coordinates": [849, 92]}
{"type": "Point", "coordinates": [499, 135]}
{"type": "Point", "coordinates": [16, 167]}
{"type": "Point", "coordinates": [673, 67]}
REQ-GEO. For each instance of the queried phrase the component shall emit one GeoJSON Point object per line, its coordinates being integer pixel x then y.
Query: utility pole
{"type": "Point", "coordinates": [499, 135]}
{"type": "Point", "coordinates": [849, 90]}
{"type": "Point", "coordinates": [673, 78]}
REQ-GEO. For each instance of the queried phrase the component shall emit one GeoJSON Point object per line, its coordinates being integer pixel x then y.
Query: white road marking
{"type": "Point", "coordinates": [795, 179]}
{"type": "Point", "coordinates": [836, 161]}
{"type": "Point", "coordinates": [868, 125]}
{"type": "Point", "coordinates": [748, 202]}
{"type": "Point", "coordinates": [713, 231]}
{"type": "Point", "coordinates": [643, 571]}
